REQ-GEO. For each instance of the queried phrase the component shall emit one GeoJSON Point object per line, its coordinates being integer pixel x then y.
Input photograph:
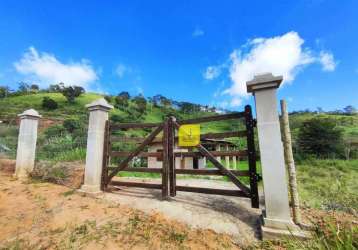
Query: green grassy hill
{"type": "Point", "coordinates": [14, 105]}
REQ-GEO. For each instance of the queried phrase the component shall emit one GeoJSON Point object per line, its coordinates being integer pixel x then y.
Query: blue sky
{"type": "Point", "coordinates": [198, 51]}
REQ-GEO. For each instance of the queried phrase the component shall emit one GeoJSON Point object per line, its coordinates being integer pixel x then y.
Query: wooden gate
{"type": "Point", "coordinates": [169, 171]}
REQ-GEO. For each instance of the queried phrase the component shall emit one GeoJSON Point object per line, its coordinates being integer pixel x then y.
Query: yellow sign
{"type": "Point", "coordinates": [189, 135]}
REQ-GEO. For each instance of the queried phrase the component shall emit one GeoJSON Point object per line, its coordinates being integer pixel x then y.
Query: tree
{"type": "Point", "coordinates": [350, 141]}
{"type": "Point", "coordinates": [320, 137]}
{"type": "Point", "coordinates": [122, 99]}
{"type": "Point", "coordinates": [48, 103]}
{"type": "Point", "coordinates": [71, 124]}
{"type": "Point", "coordinates": [56, 87]}
{"type": "Point", "coordinates": [141, 103]}
{"type": "Point", "coordinates": [187, 107]}
{"type": "Point", "coordinates": [34, 88]}
{"type": "Point", "coordinates": [72, 92]}
{"type": "Point", "coordinates": [23, 87]}
{"type": "Point", "coordinates": [350, 110]}
{"type": "Point", "coordinates": [4, 91]}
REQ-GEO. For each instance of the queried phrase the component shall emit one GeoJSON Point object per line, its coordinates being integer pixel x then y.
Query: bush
{"type": "Point", "coordinates": [71, 125]}
{"type": "Point", "coordinates": [72, 92]}
{"type": "Point", "coordinates": [55, 130]}
{"type": "Point", "coordinates": [320, 137]}
{"type": "Point", "coordinates": [48, 103]}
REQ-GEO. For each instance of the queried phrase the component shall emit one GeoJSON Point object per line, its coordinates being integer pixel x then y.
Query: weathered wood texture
{"type": "Point", "coordinates": [250, 124]}
{"type": "Point", "coordinates": [180, 154]}
{"type": "Point", "coordinates": [290, 163]}
{"type": "Point", "coordinates": [212, 191]}
{"type": "Point", "coordinates": [125, 162]}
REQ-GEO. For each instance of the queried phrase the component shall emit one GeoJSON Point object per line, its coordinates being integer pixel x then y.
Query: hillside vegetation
{"type": "Point", "coordinates": [325, 181]}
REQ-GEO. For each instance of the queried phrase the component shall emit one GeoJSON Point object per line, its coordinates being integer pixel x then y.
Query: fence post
{"type": "Point", "coordinates": [98, 116]}
{"type": "Point", "coordinates": [276, 217]}
{"type": "Point", "coordinates": [290, 163]}
{"type": "Point", "coordinates": [26, 146]}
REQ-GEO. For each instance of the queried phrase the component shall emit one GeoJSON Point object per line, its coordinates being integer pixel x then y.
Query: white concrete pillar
{"type": "Point", "coordinates": [26, 146]}
{"type": "Point", "coordinates": [277, 211]}
{"type": "Point", "coordinates": [234, 166]}
{"type": "Point", "coordinates": [202, 162]}
{"type": "Point", "coordinates": [94, 156]}
{"type": "Point", "coordinates": [217, 148]}
{"type": "Point", "coordinates": [227, 158]}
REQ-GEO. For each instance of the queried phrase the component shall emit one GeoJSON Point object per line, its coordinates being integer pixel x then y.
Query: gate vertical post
{"type": "Point", "coordinates": [249, 122]}
{"type": "Point", "coordinates": [165, 167]}
{"type": "Point", "coordinates": [26, 146]}
{"type": "Point", "coordinates": [171, 158]}
{"type": "Point", "coordinates": [98, 117]}
{"type": "Point", "coordinates": [277, 219]}
{"type": "Point", "coordinates": [106, 147]}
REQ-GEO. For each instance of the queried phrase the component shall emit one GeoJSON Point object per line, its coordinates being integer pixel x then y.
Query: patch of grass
{"type": "Point", "coordinates": [329, 184]}
{"type": "Point", "coordinates": [76, 154]}
{"type": "Point", "coordinates": [177, 237]}
{"type": "Point", "coordinates": [327, 234]}
{"type": "Point", "coordinates": [69, 192]}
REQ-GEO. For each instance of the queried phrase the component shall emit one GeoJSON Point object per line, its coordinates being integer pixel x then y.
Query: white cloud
{"type": "Point", "coordinates": [281, 55]}
{"type": "Point", "coordinates": [327, 61]}
{"type": "Point", "coordinates": [121, 69]}
{"type": "Point", "coordinates": [212, 72]}
{"type": "Point", "coordinates": [198, 32]}
{"type": "Point", "coordinates": [46, 69]}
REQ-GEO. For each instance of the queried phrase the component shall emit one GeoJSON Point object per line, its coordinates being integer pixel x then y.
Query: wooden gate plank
{"type": "Point", "coordinates": [226, 172]}
{"type": "Point", "coordinates": [165, 165]}
{"type": "Point", "coordinates": [105, 161]}
{"type": "Point", "coordinates": [134, 153]}
{"type": "Point", "coordinates": [251, 157]}
{"type": "Point", "coordinates": [212, 191]}
{"type": "Point", "coordinates": [171, 159]}
{"type": "Point", "coordinates": [218, 165]}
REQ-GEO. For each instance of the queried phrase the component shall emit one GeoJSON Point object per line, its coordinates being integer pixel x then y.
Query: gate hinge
{"type": "Point", "coordinates": [254, 122]}
{"type": "Point", "coordinates": [258, 177]}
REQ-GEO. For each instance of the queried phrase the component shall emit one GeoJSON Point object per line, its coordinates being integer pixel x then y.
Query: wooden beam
{"type": "Point", "coordinates": [125, 162]}
{"type": "Point", "coordinates": [213, 118]}
{"type": "Point", "coordinates": [141, 170]}
{"type": "Point", "coordinates": [165, 169]}
{"type": "Point", "coordinates": [142, 154]}
{"type": "Point", "coordinates": [210, 172]}
{"type": "Point", "coordinates": [212, 191]}
{"type": "Point", "coordinates": [251, 157]}
{"type": "Point", "coordinates": [214, 153]}
{"type": "Point", "coordinates": [218, 165]}
{"type": "Point", "coordinates": [180, 154]}
{"type": "Point", "coordinates": [134, 125]}
{"type": "Point", "coordinates": [136, 184]}
{"type": "Point", "coordinates": [171, 158]}
{"type": "Point", "coordinates": [222, 135]}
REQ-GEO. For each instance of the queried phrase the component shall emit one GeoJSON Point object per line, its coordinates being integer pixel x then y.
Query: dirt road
{"type": "Point", "coordinates": [48, 216]}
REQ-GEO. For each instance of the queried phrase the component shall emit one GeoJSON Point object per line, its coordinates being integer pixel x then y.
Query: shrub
{"type": "Point", "coordinates": [55, 130]}
{"type": "Point", "coordinates": [48, 103]}
{"type": "Point", "coordinates": [320, 137]}
{"type": "Point", "coordinates": [71, 125]}
{"type": "Point", "coordinates": [72, 92]}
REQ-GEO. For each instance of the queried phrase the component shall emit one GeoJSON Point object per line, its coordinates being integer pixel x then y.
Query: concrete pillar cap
{"type": "Point", "coordinates": [30, 113]}
{"type": "Point", "coordinates": [99, 104]}
{"type": "Point", "coordinates": [263, 81]}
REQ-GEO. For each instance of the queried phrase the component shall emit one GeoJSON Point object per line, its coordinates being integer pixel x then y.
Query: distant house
{"type": "Point", "coordinates": [192, 162]}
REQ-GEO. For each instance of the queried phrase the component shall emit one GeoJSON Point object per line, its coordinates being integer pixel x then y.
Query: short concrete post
{"type": "Point", "coordinates": [227, 158]}
{"type": "Point", "coordinates": [234, 166]}
{"type": "Point", "coordinates": [94, 156]}
{"type": "Point", "coordinates": [26, 146]}
{"type": "Point", "coordinates": [277, 219]}
{"type": "Point", "coordinates": [217, 148]}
